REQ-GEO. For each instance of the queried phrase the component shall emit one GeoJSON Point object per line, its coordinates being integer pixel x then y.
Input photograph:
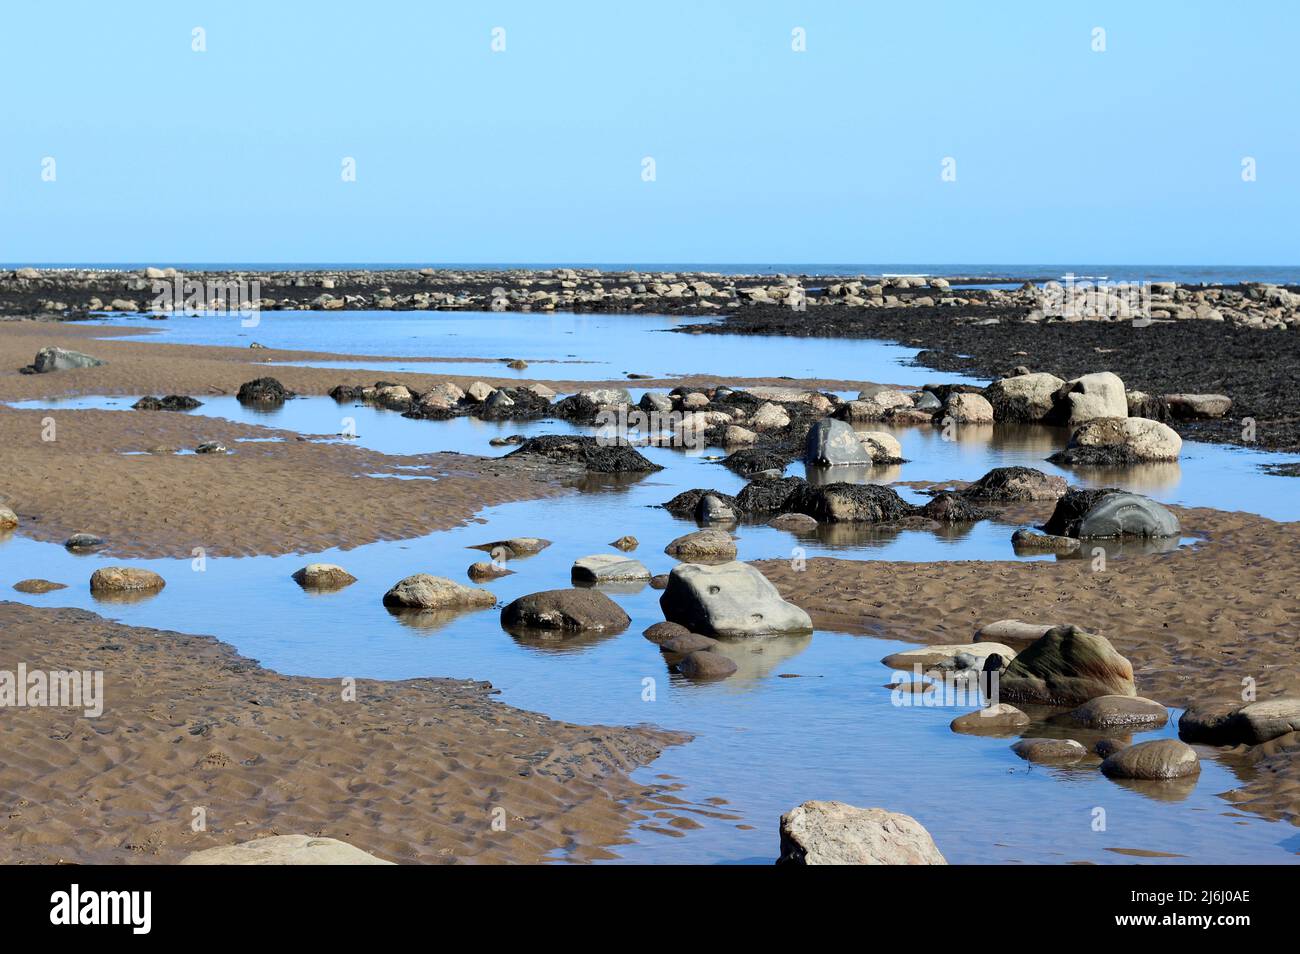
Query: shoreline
{"type": "Point", "coordinates": [414, 771]}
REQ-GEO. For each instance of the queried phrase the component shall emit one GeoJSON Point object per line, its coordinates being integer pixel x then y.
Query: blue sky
{"type": "Point", "coordinates": [762, 154]}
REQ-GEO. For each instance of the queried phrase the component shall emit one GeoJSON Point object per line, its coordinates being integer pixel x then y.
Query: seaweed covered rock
{"type": "Point", "coordinates": [512, 404]}
{"type": "Point", "coordinates": [861, 503]}
{"type": "Point", "coordinates": [1016, 484]}
{"type": "Point", "coordinates": [1024, 398]}
{"type": "Point", "coordinates": [596, 456]}
{"type": "Point", "coordinates": [950, 507]}
{"type": "Point", "coordinates": [769, 496]}
{"type": "Point", "coordinates": [263, 391]}
{"type": "Point", "coordinates": [586, 406]}
{"type": "Point", "coordinates": [1067, 666]}
{"type": "Point", "coordinates": [686, 503]}
{"type": "Point", "coordinates": [172, 402]}
{"type": "Point", "coordinates": [1072, 507]}
{"type": "Point", "coordinates": [1120, 442]}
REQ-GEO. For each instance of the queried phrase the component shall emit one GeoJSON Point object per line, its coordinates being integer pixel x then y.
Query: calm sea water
{"type": "Point", "coordinates": [1184, 274]}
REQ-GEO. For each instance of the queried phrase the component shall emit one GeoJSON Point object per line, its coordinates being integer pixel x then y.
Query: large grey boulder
{"type": "Point", "coordinates": [834, 833]}
{"type": "Point", "coordinates": [1092, 396]}
{"type": "Point", "coordinates": [1067, 666]}
{"type": "Point", "coordinates": [1024, 398]}
{"type": "Point", "coordinates": [61, 359]}
{"type": "Point", "coordinates": [832, 443]}
{"type": "Point", "coordinates": [731, 599]}
{"type": "Point", "coordinates": [1128, 515]}
{"type": "Point", "coordinates": [609, 568]}
{"type": "Point", "coordinates": [285, 850]}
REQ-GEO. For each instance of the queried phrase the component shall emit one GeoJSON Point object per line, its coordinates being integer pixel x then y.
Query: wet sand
{"type": "Point", "coordinates": [414, 771]}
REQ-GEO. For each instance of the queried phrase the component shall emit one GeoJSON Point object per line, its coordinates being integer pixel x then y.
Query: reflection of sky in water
{"type": "Point", "coordinates": [588, 347]}
{"type": "Point", "coordinates": [764, 743]}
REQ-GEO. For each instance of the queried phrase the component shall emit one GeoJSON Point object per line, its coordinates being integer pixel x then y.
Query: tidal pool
{"type": "Point", "coordinates": [803, 718]}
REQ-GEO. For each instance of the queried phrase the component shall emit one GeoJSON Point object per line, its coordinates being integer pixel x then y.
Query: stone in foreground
{"type": "Point", "coordinates": [704, 664]}
{"type": "Point", "coordinates": [731, 599]}
{"type": "Point", "coordinates": [1227, 723]}
{"type": "Point", "coordinates": [285, 850]}
{"type": "Point", "coordinates": [834, 833]}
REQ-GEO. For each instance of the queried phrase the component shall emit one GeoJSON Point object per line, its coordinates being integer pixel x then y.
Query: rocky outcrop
{"type": "Point", "coordinates": [834, 833]}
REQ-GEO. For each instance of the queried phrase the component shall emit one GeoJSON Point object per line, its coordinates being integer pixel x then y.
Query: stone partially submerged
{"type": "Point", "coordinates": [832, 443]}
{"type": "Point", "coordinates": [591, 454]}
{"type": "Point", "coordinates": [1154, 760]}
{"type": "Point", "coordinates": [1108, 512]}
{"type": "Point", "coordinates": [731, 599]}
{"type": "Point", "coordinates": [609, 568]}
{"type": "Point", "coordinates": [1067, 667]}
{"type": "Point", "coordinates": [1016, 484]}
{"type": "Point", "coordinates": [1231, 723]}
{"type": "Point", "coordinates": [572, 610]}
{"type": "Point", "coordinates": [1120, 442]}
{"type": "Point", "coordinates": [425, 592]}
{"type": "Point", "coordinates": [834, 833]}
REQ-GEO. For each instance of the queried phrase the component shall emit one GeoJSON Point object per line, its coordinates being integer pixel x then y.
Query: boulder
{"type": "Point", "coordinates": [832, 443]}
{"type": "Point", "coordinates": [950, 507]}
{"type": "Point", "coordinates": [1024, 398]}
{"type": "Point", "coordinates": [38, 586]}
{"type": "Point", "coordinates": [285, 850]}
{"type": "Point", "coordinates": [1026, 540]}
{"type": "Point", "coordinates": [8, 519]}
{"type": "Point", "coordinates": [61, 359]}
{"type": "Point", "coordinates": [171, 402]}
{"type": "Point", "coordinates": [711, 545]}
{"type": "Point", "coordinates": [883, 447]}
{"type": "Point", "coordinates": [572, 610]}
{"type": "Point", "coordinates": [595, 455]}
{"type": "Point", "coordinates": [1113, 712]}
{"type": "Point", "coordinates": [998, 718]}
{"type": "Point", "coordinates": [713, 509]}
{"type": "Point", "coordinates": [484, 570]}
{"type": "Point", "coordinates": [1127, 515]}
{"type": "Point", "coordinates": [793, 522]}
{"type": "Point", "coordinates": [769, 417]}
{"type": "Point", "coordinates": [1121, 442]}
{"type": "Point", "coordinates": [1092, 396]}
{"type": "Point", "coordinates": [1197, 407]}
{"type": "Point", "coordinates": [968, 409]}
{"type": "Point", "coordinates": [627, 543]}
{"type": "Point", "coordinates": [1157, 759]}
{"type": "Point", "coordinates": [1227, 723]}
{"type": "Point", "coordinates": [513, 547]}
{"type": "Point", "coordinates": [265, 391]}
{"type": "Point", "coordinates": [686, 642]}
{"type": "Point", "coordinates": [323, 576]}
{"type": "Point", "coordinates": [834, 833]}
{"type": "Point", "coordinates": [1049, 750]}
{"type": "Point", "coordinates": [732, 599]}
{"type": "Point", "coordinates": [1107, 512]}
{"type": "Point", "coordinates": [1016, 484]}
{"type": "Point", "coordinates": [1067, 666]}
{"type": "Point", "coordinates": [660, 633]}
{"type": "Point", "coordinates": [83, 541]}
{"type": "Point", "coordinates": [425, 592]}
{"type": "Point", "coordinates": [609, 568]}
{"type": "Point", "coordinates": [856, 503]}
{"type": "Point", "coordinates": [704, 665]}
{"type": "Point", "coordinates": [125, 579]}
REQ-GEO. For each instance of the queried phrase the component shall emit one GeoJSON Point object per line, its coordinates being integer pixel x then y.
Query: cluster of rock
{"type": "Point", "coordinates": [79, 291]}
